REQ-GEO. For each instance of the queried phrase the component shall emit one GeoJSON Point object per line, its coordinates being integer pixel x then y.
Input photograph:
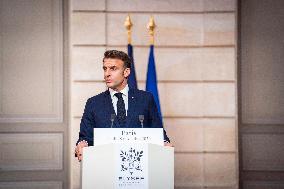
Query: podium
{"type": "Point", "coordinates": [128, 166]}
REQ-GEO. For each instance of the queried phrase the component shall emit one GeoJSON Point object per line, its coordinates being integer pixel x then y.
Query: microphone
{"type": "Point", "coordinates": [112, 117]}
{"type": "Point", "coordinates": [141, 119]}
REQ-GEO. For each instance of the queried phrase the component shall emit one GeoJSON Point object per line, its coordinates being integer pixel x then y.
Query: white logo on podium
{"type": "Point", "coordinates": [132, 169]}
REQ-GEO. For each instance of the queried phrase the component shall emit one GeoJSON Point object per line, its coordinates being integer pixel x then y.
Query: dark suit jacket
{"type": "Point", "coordinates": [98, 110]}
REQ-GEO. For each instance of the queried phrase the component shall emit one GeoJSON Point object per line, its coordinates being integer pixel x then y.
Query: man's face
{"type": "Point", "coordinates": [115, 74]}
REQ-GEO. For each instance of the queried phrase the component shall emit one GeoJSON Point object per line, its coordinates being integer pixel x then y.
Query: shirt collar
{"type": "Point", "coordinates": [123, 91]}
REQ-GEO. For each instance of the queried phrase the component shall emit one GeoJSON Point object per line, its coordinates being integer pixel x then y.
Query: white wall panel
{"type": "Point", "coordinates": [31, 61]}
{"type": "Point", "coordinates": [263, 151]}
{"type": "Point", "coordinates": [204, 134]}
{"type": "Point", "coordinates": [219, 29]}
{"type": "Point", "coordinates": [220, 170]}
{"type": "Point", "coordinates": [98, 5]}
{"type": "Point", "coordinates": [31, 185]}
{"type": "Point", "coordinates": [189, 170]}
{"type": "Point", "coordinates": [171, 5]}
{"type": "Point", "coordinates": [31, 152]}
{"type": "Point", "coordinates": [263, 184]}
{"type": "Point", "coordinates": [86, 27]}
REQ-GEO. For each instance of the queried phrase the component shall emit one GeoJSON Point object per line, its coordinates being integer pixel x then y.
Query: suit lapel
{"type": "Point", "coordinates": [109, 109]}
{"type": "Point", "coordinates": [131, 106]}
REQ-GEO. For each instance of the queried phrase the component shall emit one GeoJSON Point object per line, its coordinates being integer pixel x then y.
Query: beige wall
{"type": "Point", "coordinates": [195, 60]}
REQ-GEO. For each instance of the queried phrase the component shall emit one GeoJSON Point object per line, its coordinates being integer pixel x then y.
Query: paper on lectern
{"type": "Point", "coordinates": [128, 135]}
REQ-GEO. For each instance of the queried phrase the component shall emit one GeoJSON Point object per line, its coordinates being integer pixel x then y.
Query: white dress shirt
{"type": "Point", "coordinates": [114, 99]}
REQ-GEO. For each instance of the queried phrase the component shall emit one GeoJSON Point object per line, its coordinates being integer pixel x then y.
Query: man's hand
{"type": "Point", "coordinates": [168, 144]}
{"type": "Point", "coordinates": [79, 149]}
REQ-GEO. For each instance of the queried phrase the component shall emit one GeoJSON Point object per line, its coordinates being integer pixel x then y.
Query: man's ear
{"type": "Point", "coordinates": [126, 72]}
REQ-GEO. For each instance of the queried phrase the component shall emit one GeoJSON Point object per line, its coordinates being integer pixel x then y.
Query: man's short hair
{"type": "Point", "coordinates": [115, 54]}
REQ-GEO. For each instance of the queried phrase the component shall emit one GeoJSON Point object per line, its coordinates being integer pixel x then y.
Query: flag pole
{"type": "Point", "coordinates": [151, 80]}
{"type": "Point", "coordinates": [128, 25]}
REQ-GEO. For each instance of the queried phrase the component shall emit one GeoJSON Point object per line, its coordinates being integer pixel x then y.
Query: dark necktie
{"type": "Point", "coordinates": [121, 113]}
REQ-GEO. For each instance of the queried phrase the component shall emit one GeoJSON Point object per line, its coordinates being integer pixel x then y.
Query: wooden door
{"type": "Point", "coordinates": [261, 73]}
{"type": "Point", "coordinates": [33, 98]}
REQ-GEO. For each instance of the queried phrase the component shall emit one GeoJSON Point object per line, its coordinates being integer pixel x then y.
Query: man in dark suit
{"type": "Point", "coordinates": [119, 106]}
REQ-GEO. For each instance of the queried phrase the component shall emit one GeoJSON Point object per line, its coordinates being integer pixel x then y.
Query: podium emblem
{"type": "Point", "coordinates": [131, 160]}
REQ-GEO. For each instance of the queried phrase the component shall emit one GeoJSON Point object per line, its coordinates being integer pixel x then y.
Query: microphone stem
{"type": "Point", "coordinates": [142, 125]}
